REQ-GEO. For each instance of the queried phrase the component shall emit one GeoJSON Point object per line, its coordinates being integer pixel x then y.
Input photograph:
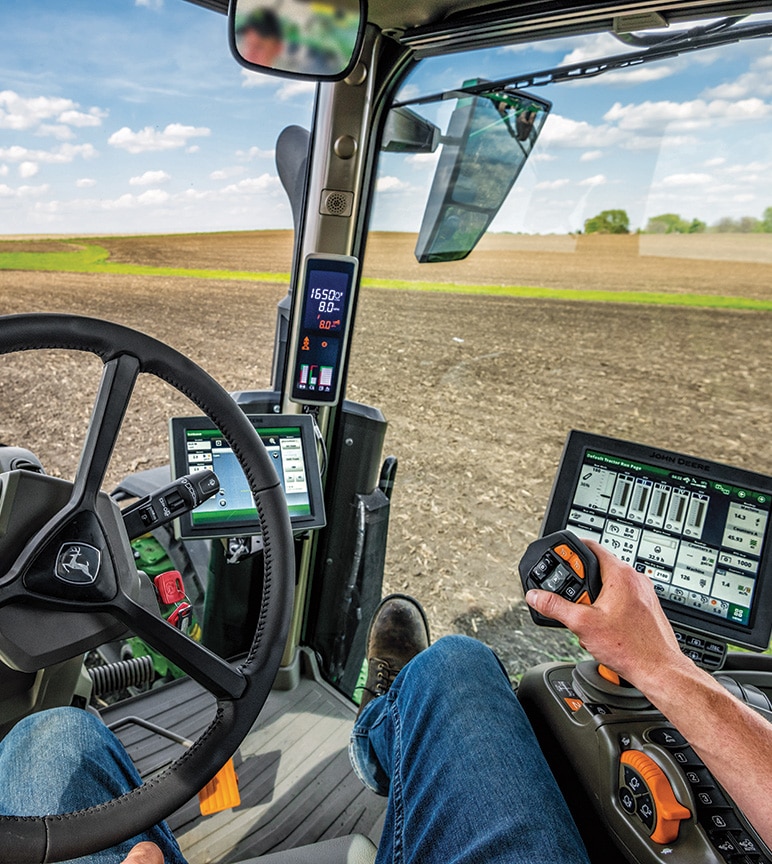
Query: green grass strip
{"type": "Point", "coordinates": [93, 258]}
{"type": "Point", "coordinates": [653, 298]}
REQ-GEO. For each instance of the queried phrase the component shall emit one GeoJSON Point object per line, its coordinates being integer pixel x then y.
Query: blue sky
{"type": "Point", "coordinates": [129, 116]}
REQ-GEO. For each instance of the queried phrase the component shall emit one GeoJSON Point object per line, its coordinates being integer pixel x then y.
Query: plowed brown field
{"type": "Point", "coordinates": [479, 391]}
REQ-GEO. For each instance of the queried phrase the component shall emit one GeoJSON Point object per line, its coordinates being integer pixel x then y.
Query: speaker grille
{"type": "Point", "coordinates": [336, 203]}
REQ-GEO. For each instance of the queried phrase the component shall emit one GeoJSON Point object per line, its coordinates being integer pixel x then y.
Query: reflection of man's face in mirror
{"type": "Point", "coordinates": [260, 38]}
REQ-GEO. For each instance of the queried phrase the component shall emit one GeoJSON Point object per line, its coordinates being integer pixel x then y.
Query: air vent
{"type": "Point", "coordinates": [336, 203]}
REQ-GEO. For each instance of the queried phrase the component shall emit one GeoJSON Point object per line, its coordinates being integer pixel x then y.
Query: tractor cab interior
{"type": "Point", "coordinates": [214, 609]}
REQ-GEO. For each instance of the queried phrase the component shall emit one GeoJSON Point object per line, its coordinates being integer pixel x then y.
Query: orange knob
{"type": "Point", "coordinates": [670, 811]}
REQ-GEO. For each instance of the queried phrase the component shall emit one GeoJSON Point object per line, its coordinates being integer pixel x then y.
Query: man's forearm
{"type": "Point", "coordinates": [733, 741]}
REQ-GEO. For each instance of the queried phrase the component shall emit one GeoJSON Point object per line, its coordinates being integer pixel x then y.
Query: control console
{"type": "Point", "coordinates": [700, 531]}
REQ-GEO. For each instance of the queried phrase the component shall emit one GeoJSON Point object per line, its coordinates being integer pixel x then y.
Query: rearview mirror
{"type": "Point", "coordinates": [318, 40]}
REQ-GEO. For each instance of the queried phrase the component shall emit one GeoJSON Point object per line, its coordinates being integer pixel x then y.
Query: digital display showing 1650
{"type": "Point", "coordinates": [326, 301]}
{"type": "Point", "coordinates": [325, 313]}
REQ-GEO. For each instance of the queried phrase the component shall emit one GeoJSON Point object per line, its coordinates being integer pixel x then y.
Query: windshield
{"type": "Point", "coordinates": [624, 288]}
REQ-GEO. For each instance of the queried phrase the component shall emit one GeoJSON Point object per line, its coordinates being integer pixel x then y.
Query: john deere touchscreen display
{"type": "Point", "coordinates": [697, 529]}
{"type": "Point", "coordinates": [289, 440]}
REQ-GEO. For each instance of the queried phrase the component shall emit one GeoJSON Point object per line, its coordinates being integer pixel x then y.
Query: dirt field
{"type": "Point", "coordinates": [479, 392]}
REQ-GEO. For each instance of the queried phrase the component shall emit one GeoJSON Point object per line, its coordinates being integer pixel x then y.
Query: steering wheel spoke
{"type": "Point", "coordinates": [215, 674]}
{"type": "Point", "coordinates": [115, 389]}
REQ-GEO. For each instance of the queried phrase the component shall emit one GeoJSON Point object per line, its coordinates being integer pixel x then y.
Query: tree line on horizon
{"type": "Point", "coordinates": [618, 222]}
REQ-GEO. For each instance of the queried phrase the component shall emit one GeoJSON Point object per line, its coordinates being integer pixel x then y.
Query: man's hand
{"type": "Point", "coordinates": [144, 853]}
{"type": "Point", "coordinates": [625, 628]}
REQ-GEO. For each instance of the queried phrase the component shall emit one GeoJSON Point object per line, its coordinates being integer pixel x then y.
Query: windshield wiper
{"type": "Point", "coordinates": [714, 35]}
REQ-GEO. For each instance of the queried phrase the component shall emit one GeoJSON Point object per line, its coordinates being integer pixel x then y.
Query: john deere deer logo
{"type": "Point", "coordinates": [78, 563]}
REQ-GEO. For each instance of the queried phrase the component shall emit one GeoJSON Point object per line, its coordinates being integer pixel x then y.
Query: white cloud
{"type": "Point", "coordinates": [683, 116]}
{"type": "Point", "coordinates": [591, 155]}
{"type": "Point", "coordinates": [391, 184]}
{"type": "Point", "coordinates": [291, 89]}
{"type": "Point", "coordinates": [422, 160]}
{"type": "Point", "coordinates": [85, 183]}
{"type": "Point", "coordinates": [714, 162]}
{"type": "Point", "coordinates": [254, 185]}
{"type": "Point", "coordinates": [542, 157]}
{"type": "Point", "coordinates": [150, 178]}
{"type": "Point", "coordinates": [28, 169]}
{"type": "Point", "coordinates": [4, 170]}
{"type": "Point", "coordinates": [59, 155]}
{"type": "Point", "coordinates": [757, 82]}
{"type": "Point", "coordinates": [153, 197]}
{"type": "Point", "coordinates": [595, 180]}
{"type": "Point", "coordinates": [690, 179]}
{"type": "Point", "coordinates": [149, 139]}
{"type": "Point", "coordinates": [24, 191]}
{"type": "Point", "coordinates": [19, 113]}
{"type": "Point", "coordinates": [561, 131]}
{"type": "Point", "coordinates": [150, 4]}
{"type": "Point", "coordinates": [255, 153]}
{"type": "Point", "coordinates": [227, 173]}
{"type": "Point", "coordinates": [594, 47]}
{"type": "Point", "coordinates": [55, 130]}
{"type": "Point", "coordinates": [286, 90]}
{"type": "Point", "coordinates": [80, 119]}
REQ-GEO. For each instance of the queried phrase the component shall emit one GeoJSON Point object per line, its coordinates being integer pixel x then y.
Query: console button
{"type": "Point", "coordinates": [699, 777]}
{"type": "Point", "coordinates": [572, 589]}
{"type": "Point", "coordinates": [557, 579]}
{"type": "Point", "coordinates": [667, 737]}
{"type": "Point", "coordinates": [646, 811]}
{"type": "Point", "coordinates": [711, 799]}
{"type": "Point", "coordinates": [543, 567]}
{"type": "Point", "coordinates": [723, 820]}
{"type": "Point", "coordinates": [746, 844]}
{"type": "Point", "coordinates": [723, 842]}
{"type": "Point", "coordinates": [627, 800]}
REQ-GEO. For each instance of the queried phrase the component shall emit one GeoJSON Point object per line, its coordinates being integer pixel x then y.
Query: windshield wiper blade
{"type": "Point", "coordinates": [688, 41]}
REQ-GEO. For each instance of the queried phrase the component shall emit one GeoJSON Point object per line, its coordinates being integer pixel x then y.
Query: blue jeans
{"type": "Point", "coordinates": [63, 760]}
{"type": "Point", "coordinates": [466, 780]}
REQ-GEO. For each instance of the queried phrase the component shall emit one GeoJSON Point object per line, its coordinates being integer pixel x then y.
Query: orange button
{"type": "Point", "coordinates": [575, 563]}
{"type": "Point", "coordinates": [573, 704]}
{"type": "Point", "coordinates": [609, 674]}
{"type": "Point", "coordinates": [585, 598]}
{"type": "Point", "coordinates": [564, 552]}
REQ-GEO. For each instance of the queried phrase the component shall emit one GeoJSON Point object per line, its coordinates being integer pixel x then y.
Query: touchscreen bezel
{"type": "Point", "coordinates": [265, 425]}
{"type": "Point", "coordinates": [756, 634]}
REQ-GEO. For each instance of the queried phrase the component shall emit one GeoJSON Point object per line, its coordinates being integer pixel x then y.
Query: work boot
{"type": "Point", "coordinates": [398, 631]}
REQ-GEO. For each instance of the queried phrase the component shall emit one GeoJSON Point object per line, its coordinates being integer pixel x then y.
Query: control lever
{"type": "Point", "coordinates": [560, 563]}
{"type": "Point", "coordinates": [180, 496]}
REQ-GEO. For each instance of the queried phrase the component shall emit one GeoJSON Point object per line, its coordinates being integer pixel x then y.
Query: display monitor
{"type": "Point", "coordinates": [325, 316]}
{"type": "Point", "coordinates": [290, 441]}
{"type": "Point", "coordinates": [698, 529]}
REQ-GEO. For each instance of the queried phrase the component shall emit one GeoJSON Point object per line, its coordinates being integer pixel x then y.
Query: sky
{"type": "Point", "coordinates": [130, 116]}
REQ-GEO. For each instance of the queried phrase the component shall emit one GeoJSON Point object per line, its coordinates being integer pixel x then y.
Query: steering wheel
{"type": "Point", "coordinates": [50, 612]}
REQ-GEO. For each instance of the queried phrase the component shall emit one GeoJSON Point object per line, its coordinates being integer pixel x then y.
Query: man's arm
{"type": "Point", "coordinates": [626, 630]}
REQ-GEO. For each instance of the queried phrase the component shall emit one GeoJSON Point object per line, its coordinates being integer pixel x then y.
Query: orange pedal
{"type": "Point", "coordinates": [221, 792]}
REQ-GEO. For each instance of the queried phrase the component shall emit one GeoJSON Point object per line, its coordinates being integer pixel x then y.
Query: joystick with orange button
{"type": "Point", "coordinates": [560, 563]}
